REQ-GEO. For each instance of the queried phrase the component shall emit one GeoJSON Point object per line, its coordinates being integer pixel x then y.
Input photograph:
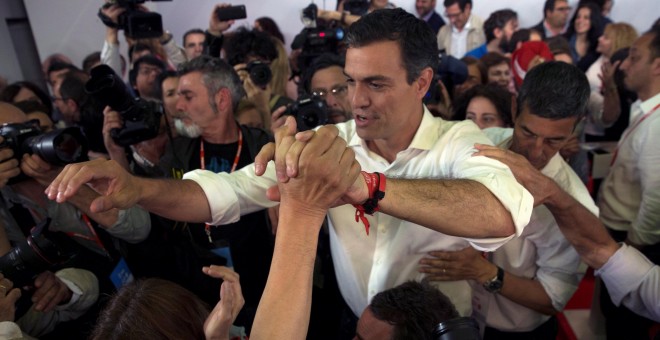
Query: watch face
{"type": "Point", "coordinates": [493, 286]}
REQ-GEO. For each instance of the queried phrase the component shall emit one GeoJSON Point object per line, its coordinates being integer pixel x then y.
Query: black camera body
{"type": "Point", "coordinates": [310, 112]}
{"type": "Point", "coordinates": [315, 42]}
{"type": "Point", "coordinates": [57, 147]}
{"type": "Point", "coordinates": [141, 118]}
{"type": "Point", "coordinates": [260, 73]}
{"type": "Point", "coordinates": [41, 251]}
{"type": "Point", "coordinates": [356, 7]}
{"type": "Point", "coordinates": [136, 23]}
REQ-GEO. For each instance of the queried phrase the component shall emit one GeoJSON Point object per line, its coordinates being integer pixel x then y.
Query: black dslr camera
{"type": "Point", "coordinates": [41, 251]}
{"type": "Point", "coordinates": [136, 23]}
{"type": "Point", "coordinates": [310, 112]}
{"type": "Point", "coordinates": [259, 73]}
{"type": "Point", "coordinates": [141, 117]}
{"type": "Point", "coordinates": [58, 147]}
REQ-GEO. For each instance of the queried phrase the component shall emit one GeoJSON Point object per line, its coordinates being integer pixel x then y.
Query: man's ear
{"type": "Point", "coordinates": [655, 67]}
{"type": "Point", "coordinates": [222, 100]}
{"type": "Point", "coordinates": [497, 32]}
{"type": "Point", "coordinates": [424, 82]}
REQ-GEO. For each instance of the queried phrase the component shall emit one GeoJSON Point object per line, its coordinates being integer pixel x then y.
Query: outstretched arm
{"type": "Point", "coordinates": [181, 200]}
{"type": "Point", "coordinates": [580, 227]}
{"type": "Point", "coordinates": [285, 305]}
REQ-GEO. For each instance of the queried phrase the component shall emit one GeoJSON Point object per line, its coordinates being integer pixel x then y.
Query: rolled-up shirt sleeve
{"type": "Point", "coordinates": [232, 195]}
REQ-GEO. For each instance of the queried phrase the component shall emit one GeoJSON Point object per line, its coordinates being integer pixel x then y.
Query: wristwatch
{"type": "Point", "coordinates": [494, 285]}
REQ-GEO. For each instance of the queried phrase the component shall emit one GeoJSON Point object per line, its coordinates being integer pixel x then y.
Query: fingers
{"type": "Point", "coordinates": [50, 292]}
{"type": "Point", "coordinates": [283, 141]}
{"type": "Point", "coordinates": [221, 272]}
{"type": "Point", "coordinates": [265, 155]}
{"type": "Point", "coordinates": [71, 178]}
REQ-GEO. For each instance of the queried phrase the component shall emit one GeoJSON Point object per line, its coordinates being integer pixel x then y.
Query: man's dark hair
{"type": "Point", "coordinates": [148, 60]}
{"type": "Point", "coordinates": [461, 3]}
{"type": "Point", "coordinates": [192, 31]}
{"type": "Point", "coordinates": [554, 90]}
{"type": "Point", "coordinates": [73, 87]}
{"type": "Point", "coordinates": [491, 59]}
{"type": "Point", "coordinates": [558, 45]}
{"type": "Point", "coordinates": [656, 23]}
{"type": "Point", "coordinates": [245, 43]}
{"type": "Point", "coordinates": [321, 62]}
{"type": "Point", "coordinates": [90, 60]}
{"type": "Point", "coordinates": [216, 74]}
{"type": "Point", "coordinates": [138, 47]}
{"type": "Point", "coordinates": [9, 92]}
{"type": "Point", "coordinates": [413, 308]}
{"type": "Point", "coordinates": [54, 67]}
{"type": "Point", "coordinates": [417, 42]}
{"type": "Point", "coordinates": [497, 19]}
{"type": "Point", "coordinates": [497, 95]}
{"type": "Point", "coordinates": [161, 78]}
{"type": "Point", "coordinates": [549, 6]}
{"type": "Point", "coordinates": [654, 45]}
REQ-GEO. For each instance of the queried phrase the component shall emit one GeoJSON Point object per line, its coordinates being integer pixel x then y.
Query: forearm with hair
{"type": "Point", "coordinates": [180, 200]}
{"type": "Point", "coordinates": [527, 292]}
{"type": "Point", "coordinates": [581, 228]}
{"type": "Point", "coordinates": [456, 207]}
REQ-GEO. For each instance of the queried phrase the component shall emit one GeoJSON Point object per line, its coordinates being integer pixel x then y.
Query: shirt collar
{"type": "Point", "coordinates": [468, 26]}
{"type": "Point", "coordinates": [650, 103]}
{"type": "Point", "coordinates": [428, 16]}
{"type": "Point", "coordinates": [424, 137]}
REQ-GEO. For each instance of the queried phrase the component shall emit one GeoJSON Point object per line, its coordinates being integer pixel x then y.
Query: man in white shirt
{"type": "Point", "coordinates": [519, 287]}
{"type": "Point", "coordinates": [389, 65]}
{"type": "Point", "coordinates": [630, 195]}
{"type": "Point", "coordinates": [465, 32]}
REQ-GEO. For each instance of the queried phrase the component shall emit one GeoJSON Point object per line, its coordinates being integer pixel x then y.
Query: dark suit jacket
{"type": "Point", "coordinates": [540, 28]}
{"type": "Point", "coordinates": [435, 21]}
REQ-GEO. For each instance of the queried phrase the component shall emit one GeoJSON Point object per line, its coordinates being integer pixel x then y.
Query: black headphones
{"type": "Point", "coordinates": [463, 328]}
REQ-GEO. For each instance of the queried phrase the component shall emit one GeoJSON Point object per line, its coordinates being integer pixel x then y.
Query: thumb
{"type": "Point", "coordinates": [273, 193]}
{"type": "Point", "coordinates": [101, 204]}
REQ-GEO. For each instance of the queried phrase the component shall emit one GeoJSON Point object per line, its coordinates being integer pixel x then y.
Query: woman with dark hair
{"type": "Point", "coordinates": [268, 25]}
{"type": "Point", "coordinates": [583, 33]}
{"type": "Point", "coordinates": [25, 90]}
{"type": "Point", "coordinates": [486, 105]}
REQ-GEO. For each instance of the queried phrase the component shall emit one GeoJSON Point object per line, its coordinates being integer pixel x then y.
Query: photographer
{"type": "Point", "coordinates": [251, 53]}
{"type": "Point", "coordinates": [23, 204]}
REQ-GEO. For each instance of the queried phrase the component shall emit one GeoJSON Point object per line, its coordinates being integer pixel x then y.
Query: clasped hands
{"type": "Point", "coordinates": [315, 168]}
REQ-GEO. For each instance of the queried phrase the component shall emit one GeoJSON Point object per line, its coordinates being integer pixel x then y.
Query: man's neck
{"type": "Point", "coordinates": [555, 30]}
{"type": "Point", "coordinates": [222, 131]}
{"type": "Point", "coordinates": [388, 148]}
{"type": "Point", "coordinates": [494, 46]}
{"type": "Point", "coordinates": [650, 91]}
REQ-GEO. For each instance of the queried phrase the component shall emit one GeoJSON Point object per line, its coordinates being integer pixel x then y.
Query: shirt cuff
{"type": "Point", "coordinates": [221, 197]}
{"type": "Point", "coordinates": [75, 296]}
{"type": "Point", "coordinates": [623, 272]}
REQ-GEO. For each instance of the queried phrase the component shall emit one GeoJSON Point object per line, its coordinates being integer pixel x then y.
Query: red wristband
{"type": "Point", "coordinates": [376, 187]}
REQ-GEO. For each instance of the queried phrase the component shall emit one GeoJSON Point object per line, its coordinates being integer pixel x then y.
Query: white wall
{"type": "Point", "coordinates": [72, 27]}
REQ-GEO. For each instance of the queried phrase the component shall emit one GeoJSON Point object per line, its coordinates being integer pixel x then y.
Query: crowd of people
{"type": "Point", "coordinates": [412, 179]}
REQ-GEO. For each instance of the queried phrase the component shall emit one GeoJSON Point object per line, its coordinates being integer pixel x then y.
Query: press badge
{"type": "Point", "coordinates": [121, 275]}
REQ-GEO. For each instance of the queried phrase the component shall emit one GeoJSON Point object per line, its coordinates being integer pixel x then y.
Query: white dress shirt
{"type": "Point", "coordinates": [389, 255]}
{"type": "Point", "coordinates": [630, 195]}
{"type": "Point", "coordinates": [541, 253]}
{"type": "Point", "coordinates": [459, 40]}
{"type": "Point", "coordinates": [633, 280]}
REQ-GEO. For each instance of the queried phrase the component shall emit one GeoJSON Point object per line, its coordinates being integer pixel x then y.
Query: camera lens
{"type": "Point", "coordinates": [259, 73]}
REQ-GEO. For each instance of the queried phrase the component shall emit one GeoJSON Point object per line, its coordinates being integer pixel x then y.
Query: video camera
{"type": "Point", "coordinates": [314, 40]}
{"type": "Point", "coordinates": [136, 23]}
{"type": "Point", "coordinates": [141, 117]}
{"type": "Point", "coordinates": [41, 251]}
{"type": "Point", "coordinates": [309, 111]}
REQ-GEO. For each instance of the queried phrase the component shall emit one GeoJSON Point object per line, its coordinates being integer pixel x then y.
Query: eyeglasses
{"type": "Point", "coordinates": [337, 91]}
{"type": "Point", "coordinates": [453, 15]}
{"type": "Point", "coordinates": [145, 71]}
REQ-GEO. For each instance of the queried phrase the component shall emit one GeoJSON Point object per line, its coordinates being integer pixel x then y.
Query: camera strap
{"type": "Point", "coordinates": [94, 235]}
{"type": "Point", "coordinates": [207, 227]}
